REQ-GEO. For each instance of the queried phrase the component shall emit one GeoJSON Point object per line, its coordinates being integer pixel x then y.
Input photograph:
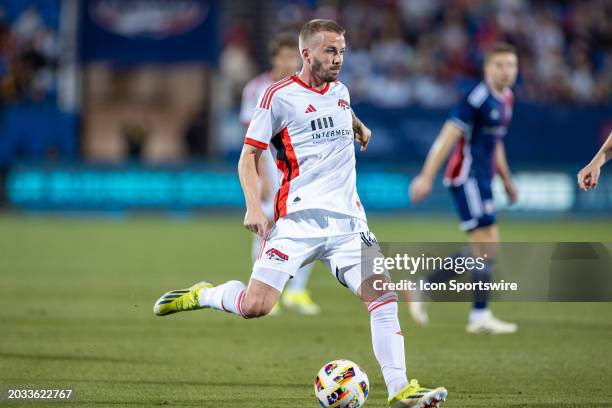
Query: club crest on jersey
{"type": "Point", "coordinates": [276, 255]}
{"type": "Point", "coordinates": [343, 104]}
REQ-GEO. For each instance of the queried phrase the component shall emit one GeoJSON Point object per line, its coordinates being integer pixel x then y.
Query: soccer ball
{"type": "Point", "coordinates": [341, 384]}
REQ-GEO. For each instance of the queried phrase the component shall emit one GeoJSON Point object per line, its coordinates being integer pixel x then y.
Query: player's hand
{"type": "Point", "coordinates": [420, 188]}
{"type": "Point", "coordinates": [511, 191]}
{"type": "Point", "coordinates": [256, 222]}
{"type": "Point", "coordinates": [589, 176]}
{"type": "Point", "coordinates": [362, 135]}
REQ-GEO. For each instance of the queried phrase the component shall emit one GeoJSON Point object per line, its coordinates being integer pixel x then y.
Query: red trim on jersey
{"type": "Point", "coordinates": [269, 102]}
{"type": "Point", "coordinates": [322, 91]}
{"type": "Point", "coordinates": [453, 170]}
{"type": "Point", "coordinates": [290, 170]}
{"type": "Point", "coordinates": [263, 245]}
{"type": "Point", "coordinates": [267, 99]}
{"type": "Point", "coordinates": [256, 143]}
{"type": "Point", "coordinates": [268, 89]}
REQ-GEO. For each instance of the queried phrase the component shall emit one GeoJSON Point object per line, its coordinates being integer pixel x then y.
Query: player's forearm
{"type": "Point", "coordinates": [501, 163]}
{"type": "Point", "coordinates": [356, 121]}
{"type": "Point", "coordinates": [249, 179]}
{"type": "Point", "coordinates": [263, 179]}
{"type": "Point", "coordinates": [440, 150]}
{"type": "Point", "coordinates": [604, 154]}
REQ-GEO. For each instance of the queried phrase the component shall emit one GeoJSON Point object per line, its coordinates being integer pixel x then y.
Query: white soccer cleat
{"type": "Point", "coordinates": [418, 312]}
{"type": "Point", "coordinates": [491, 324]}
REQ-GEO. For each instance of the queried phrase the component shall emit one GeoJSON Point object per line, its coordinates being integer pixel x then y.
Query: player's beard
{"type": "Point", "coordinates": [323, 74]}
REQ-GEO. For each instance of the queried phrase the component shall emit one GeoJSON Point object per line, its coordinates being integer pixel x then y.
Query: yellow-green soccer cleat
{"type": "Point", "coordinates": [181, 300]}
{"type": "Point", "coordinates": [301, 302]}
{"type": "Point", "coordinates": [415, 396]}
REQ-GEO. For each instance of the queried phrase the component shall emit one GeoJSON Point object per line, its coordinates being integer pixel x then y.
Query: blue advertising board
{"type": "Point", "coordinates": [132, 32]}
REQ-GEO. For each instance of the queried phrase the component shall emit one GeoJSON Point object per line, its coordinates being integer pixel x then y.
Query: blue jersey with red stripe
{"type": "Point", "coordinates": [484, 118]}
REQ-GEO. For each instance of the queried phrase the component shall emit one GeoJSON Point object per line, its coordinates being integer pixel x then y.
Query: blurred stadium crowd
{"type": "Point", "coordinates": [147, 83]}
{"type": "Point", "coordinates": [407, 52]}
{"type": "Point", "coordinates": [418, 56]}
{"type": "Point", "coordinates": [28, 56]}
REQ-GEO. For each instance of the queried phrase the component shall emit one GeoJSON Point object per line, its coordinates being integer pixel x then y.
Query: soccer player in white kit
{"type": "Point", "coordinates": [307, 120]}
{"type": "Point", "coordinates": [285, 61]}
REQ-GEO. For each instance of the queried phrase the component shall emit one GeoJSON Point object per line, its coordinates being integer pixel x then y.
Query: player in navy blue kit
{"type": "Point", "coordinates": [475, 128]}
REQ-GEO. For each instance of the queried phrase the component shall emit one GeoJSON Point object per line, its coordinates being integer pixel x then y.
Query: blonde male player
{"type": "Point", "coordinates": [588, 177]}
{"type": "Point", "coordinates": [285, 61]}
{"type": "Point", "coordinates": [308, 119]}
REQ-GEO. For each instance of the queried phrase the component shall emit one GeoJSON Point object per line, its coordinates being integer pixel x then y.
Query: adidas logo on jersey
{"type": "Point", "coordinates": [310, 109]}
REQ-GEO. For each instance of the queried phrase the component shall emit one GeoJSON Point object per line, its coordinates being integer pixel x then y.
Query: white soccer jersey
{"type": "Point", "coordinates": [312, 135]}
{"type": "Point", "coordinates": [250, 96]}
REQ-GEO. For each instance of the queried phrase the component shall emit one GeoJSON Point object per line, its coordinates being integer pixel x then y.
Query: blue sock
{"type": "Point", "coordinates": [444, 275]}
{"type": "Point", "coordinates": [481, 297]}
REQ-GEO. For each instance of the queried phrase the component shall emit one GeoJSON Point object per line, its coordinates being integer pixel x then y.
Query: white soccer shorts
{"type": "Point", "coordinates": [341, 242]}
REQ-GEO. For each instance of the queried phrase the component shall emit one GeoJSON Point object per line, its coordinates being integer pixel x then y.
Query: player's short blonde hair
{"type": "Point", "coordinates": [313, 27]}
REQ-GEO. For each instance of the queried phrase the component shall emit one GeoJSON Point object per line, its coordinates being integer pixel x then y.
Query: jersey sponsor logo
{"type": "Point", "coordinates": [276, 255]}
{"type": "Point", "coordinates": [327, 136]}
{"type": "Point", "coordinates": [310, 109]}
{"type": "Point", "coordinates": [495, 130]}
{"type": "Point", "coordinates": [343, 104]}
{"type": "Point", "coordinates": [322, 123]}
{"type": "Point", "coordinates": [495, 114]}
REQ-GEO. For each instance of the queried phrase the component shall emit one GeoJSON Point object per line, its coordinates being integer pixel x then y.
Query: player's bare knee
{"type": "Point", "coordinates": [373, 287]}
{"type": "Point", "coordinates": [255, 308]}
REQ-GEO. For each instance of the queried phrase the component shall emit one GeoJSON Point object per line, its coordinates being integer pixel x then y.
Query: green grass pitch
{"type": "Point", "coordinates": [76, 299]}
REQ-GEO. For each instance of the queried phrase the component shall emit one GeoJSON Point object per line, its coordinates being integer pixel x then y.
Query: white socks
{"type": "Point", "coordinates": [227, 297]}
{"type": "Point", "coordinates": [387, 338]}
{"type": "Point", "coordinates": [477, 315]}
{"type": "Point", "coordinates": [388, 341]}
